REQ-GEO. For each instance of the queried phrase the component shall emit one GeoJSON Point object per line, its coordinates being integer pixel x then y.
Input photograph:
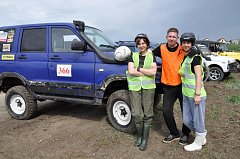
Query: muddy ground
{"type": "Point", "coordinates": [62, 130]}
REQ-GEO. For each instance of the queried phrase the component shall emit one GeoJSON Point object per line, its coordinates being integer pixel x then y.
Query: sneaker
{"type": "Point", "coordinates": [183, 140]}
{"type": "Point", "coordinates": [171, 138]}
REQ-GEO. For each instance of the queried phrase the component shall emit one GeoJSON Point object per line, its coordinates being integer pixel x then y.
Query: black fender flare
{"type": "Point", "coordinates": [12, 75]}
{"type": "Point", "coordinates": [110, 79]}
{"type": "Point", "coordinates": [100, 89]}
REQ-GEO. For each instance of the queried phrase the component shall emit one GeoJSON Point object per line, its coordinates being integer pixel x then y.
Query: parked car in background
{"type": "Point", "coordinates": [219, 66]}
{"type": "Point", "coordinates": [225, 52]}
{"type": "Point", "coordinates": [132, 45]}
{"type": "Point", "coordinates": [219, 49]}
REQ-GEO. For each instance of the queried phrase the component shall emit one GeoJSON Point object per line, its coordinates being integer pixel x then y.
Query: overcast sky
{"type": "Point", "coordinates": [124, 19]}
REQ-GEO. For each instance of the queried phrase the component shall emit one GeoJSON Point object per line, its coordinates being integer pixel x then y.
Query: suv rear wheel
{"type": "Point", "coordinates": [20, 103]}
{"type": "Point", "coordinates": [215, 74]}
{"type": "Point", "coordinates": [119, 111]}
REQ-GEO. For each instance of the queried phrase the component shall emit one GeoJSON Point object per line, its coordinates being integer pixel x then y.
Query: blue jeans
{"type": "Point", "coordinates": [194, 115]}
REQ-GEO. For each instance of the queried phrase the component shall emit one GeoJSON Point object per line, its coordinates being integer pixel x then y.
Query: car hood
{"type": "Point", "coordinates": [230, 53]}
{"type": "Point", "coordinates": [235, 55]}
{"type": "Point", "coordinates": [110, 55]}
{"type": "Point", "coordinates": [222, 58]}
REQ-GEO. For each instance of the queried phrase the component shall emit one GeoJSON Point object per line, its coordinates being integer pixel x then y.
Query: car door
{"type": "Point", "coordinates": [70, 72]}
{"type": "Point", "coordinates": [32, 57]}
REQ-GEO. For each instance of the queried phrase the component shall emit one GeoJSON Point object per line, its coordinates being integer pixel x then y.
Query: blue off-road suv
{"type": "Point", "coordinates": [63, 62]}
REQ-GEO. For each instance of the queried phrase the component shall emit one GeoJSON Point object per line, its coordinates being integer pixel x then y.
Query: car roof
{"type": "Point", "coordinates": [44, 24]}
{"type": "Point", "coordinates": [132, 43]}
{"type": "Point", "coordinates": [200, 45]}
{"type": "Point", "coordinates": [205, 42]}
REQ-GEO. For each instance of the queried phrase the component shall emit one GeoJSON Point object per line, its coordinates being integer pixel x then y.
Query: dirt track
{"type": "Point", "coordinates": [62, 130]}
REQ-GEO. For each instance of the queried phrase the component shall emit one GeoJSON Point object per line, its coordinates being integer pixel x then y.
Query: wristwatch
{"type": "Point", "coordinates": [138, 69]}
{"type": "Point", "coordinates": [197, 94]}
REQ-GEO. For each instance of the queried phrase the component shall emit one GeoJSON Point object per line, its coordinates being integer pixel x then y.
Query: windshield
{"type": "Point", "coordinates": [223, 47]}
{"type": "Point", "coordinates": [97, 37]}
{"type": "Point", "coordinates": [205, 51]}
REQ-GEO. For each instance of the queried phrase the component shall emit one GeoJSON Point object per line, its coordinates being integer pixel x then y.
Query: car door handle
{"type": "Point", "coordinates": [22, 57]}
{"type": "Point", "coordinates": [55, 57]}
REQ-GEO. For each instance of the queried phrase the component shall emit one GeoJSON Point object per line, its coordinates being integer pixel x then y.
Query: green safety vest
{"type": "Point", "coordinates": [135, 83]}
{"type": "Point", "coordinates": [189, 79]}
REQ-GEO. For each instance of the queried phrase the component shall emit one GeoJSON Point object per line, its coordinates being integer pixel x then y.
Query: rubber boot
{"type": "Point", "coordinates": [198, 142]}
{"type": "Point", "coordinates": [143, 145]}
{"type": "Point", "coordinates": [139, 130]}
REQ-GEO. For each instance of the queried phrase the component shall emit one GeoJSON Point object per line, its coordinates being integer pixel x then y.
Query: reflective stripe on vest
{"type": "Point", "coordinates": [189, 79]}
{"type": "Point", "coordinates": [135, 83]}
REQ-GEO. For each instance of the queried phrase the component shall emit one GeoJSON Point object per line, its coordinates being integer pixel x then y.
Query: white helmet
{"type": "Point", "coordinates": [122, 53]}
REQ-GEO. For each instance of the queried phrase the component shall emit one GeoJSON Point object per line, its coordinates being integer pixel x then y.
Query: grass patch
{"type": "Point", "coordinates": [234, 99]}
{"type": "Point", "coordinates": [232, 113]}
{"type": "Point", "coordinates": [234, 47]}
{"type": "Point", "coordinates": [232, 83]}
{"type": "Point", "coordinates": [214, 112]}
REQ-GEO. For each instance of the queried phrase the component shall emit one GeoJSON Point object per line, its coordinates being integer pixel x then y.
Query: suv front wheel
{"type": "Point", "coordinates": [216, 74]}
{"type": "Point", "coordinates": [20, 103]}
{"type": "Point", "coordinates": [119, 111]}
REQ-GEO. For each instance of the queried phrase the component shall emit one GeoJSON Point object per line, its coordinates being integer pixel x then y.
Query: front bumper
{"type": "Point", "coordinates": [234, 67]}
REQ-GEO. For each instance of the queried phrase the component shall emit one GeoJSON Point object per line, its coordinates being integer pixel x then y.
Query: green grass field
{"type": "Point", "coordinates": [234, 47]}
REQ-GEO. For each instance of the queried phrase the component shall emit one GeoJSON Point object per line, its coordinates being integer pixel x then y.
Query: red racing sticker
{"type": "Point", "coordinates": [64, 70]}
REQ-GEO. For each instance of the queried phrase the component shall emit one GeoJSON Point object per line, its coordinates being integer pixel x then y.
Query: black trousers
{"type": "Point", "coordinates": [170, 95]}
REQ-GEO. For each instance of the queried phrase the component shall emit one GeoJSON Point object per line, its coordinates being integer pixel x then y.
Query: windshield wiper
{"type": "Point", "coordinates": [108, 46]}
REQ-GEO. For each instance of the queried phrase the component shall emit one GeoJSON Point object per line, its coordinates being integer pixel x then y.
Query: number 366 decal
{"type": "Point", "coordinates": [64, 70]}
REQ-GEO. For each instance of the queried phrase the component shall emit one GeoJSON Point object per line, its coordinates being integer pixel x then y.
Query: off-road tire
{"type": "Point", "coordinates": [119, 111]}
{"type": "Point", "coordinates": [19, 103]}
{"type": "Point", "coordinates": [216, 74]}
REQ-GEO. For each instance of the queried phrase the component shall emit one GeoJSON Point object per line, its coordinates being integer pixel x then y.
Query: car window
{"type": "Point", "coordinates": [33, 40]}
{"type": "Point", "coordinates": [132, 48]}
{"type": "Point", "coordinates": [99, 39]}
{"type": "Point", "coordinates": [205, 51]}
{"type": "Point", "coordinates": [62, 39]}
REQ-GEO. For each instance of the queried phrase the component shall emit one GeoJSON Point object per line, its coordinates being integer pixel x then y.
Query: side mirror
{"type": "Point", "coordinates": [78, 45]}
{"type": "Point", "coordinates": [80, 25]}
